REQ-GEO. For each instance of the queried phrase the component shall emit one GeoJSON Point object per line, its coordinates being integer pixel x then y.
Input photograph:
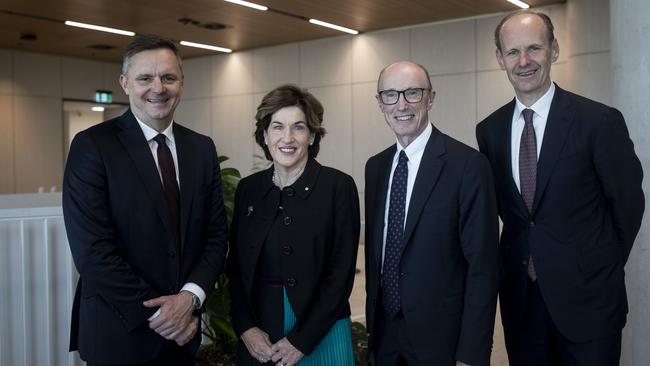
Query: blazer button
{"type": "Point", "coordinates": [291, 282]}
{"type": "Point", "coordinates": [290, 191]}
{"type": "Point", "coordinates": [171, 254]}
{"type": "Point", "coordinates": [287, 250]}
{"type": "Point", "coordinates": [287, 220]}
{"type": "Point", "coordinates": [531, 224]}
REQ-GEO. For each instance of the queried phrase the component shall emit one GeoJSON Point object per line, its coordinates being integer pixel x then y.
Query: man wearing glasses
{"type": "Point", "coordinates": [431, 236]}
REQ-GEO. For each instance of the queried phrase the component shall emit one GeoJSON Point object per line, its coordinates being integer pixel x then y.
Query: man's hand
{"type": "Point", "coordinates": [175, 316]}
{"type": "Point", "coordinates": [285, 354]}
{"type": "Point", "coordinates": [258, 344]}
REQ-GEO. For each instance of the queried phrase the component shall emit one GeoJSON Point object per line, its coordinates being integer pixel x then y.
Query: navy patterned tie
{"type": "Point", "coordinates": [394, 233]}
{"type": "Point", "coordinates": [528, 170]}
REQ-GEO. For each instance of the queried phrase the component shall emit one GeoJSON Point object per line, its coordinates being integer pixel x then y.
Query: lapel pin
{"type": "Point", "coordinates": [250, 211]}
{"type": "Point", "coordinates": [306, 188]}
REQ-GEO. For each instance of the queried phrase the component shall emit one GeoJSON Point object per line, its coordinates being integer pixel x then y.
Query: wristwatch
{"type": "Point", "coordinates": [196, 302]}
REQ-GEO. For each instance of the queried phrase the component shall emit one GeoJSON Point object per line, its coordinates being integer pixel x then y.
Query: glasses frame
{"type": "Point", "coordinates": [403, 93]}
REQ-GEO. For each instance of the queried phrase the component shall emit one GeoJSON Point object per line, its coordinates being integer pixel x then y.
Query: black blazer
{"type": "Point", "coordinates": [448, 281]}
{"type": "Point", "coordinates": [319, 255]}
{"type": "Point", "coordinates": [586, 213]}
{"type": "Point", "coordinates": [122, 241]}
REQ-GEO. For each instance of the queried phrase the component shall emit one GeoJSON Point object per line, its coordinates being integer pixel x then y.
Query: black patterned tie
{"type": "Point", "coordinates": [394, 233]}
{"type": "Point", "coordinates": [170, 185]}
{"type": "Point", "coordinates": [528, 170]}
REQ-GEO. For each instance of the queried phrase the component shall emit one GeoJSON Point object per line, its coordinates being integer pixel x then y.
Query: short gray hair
{"type": "Point", "coordinates": [146, 42]}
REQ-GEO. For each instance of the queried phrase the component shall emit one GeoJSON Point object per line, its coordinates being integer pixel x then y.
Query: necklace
{"type": "Point", "coordinates": [289, 182]}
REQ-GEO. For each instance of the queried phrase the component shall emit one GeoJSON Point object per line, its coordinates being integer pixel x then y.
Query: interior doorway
{"type": "Point", "coordinates": [79, 115]}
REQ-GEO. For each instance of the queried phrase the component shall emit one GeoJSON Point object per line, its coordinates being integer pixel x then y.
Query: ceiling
{"type": "Point", "coordinates": [245, 28]}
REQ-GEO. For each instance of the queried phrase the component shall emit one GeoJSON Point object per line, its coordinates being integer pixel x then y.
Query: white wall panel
{"type": "Point", "coordinates": [37, 74]}
{"type": "Point", "coordinates": [195, 114]}
{"type": "Point", "coordinates": [274, 66]}
{"type": "Point", "coordinates": [371, 52]}
{"type": "Point", "coordinates": [111, 81]}
{"type": "Point", "coordinates": [39, 143]}
{"type": "Point", "coordinates": [485, 47]}
{"type": "Point", "coordinates": [233, 127]}
{"type": "Point", "coordinates": [198, 78]}
{"type": "Point", "coordinates": [454, 108]}
{"type": "Point", "coordinates": [7, 164]}
{"type": "Point", "coordinates": [336, 147]}
{"type": "Point", "coordinates": [492, 91]}
{"type": "Point", "coordinates": [232, 74]}
{"type": "Point", "coordinates": [445, 48]}
{"type": "Point", "coordinates": [81, 78]}
{"type": "Point", "coordinates": [326, 62]}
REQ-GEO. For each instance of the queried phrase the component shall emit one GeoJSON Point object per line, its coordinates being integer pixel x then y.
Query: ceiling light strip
{"type": "Point", "coordinates": [333, 26]}
{"type": "Point", "coordinates": [248, 4]}
{"type": "Point", "coordinates": [99, 28]}
{"type": "Point", "coordinates": [520, 4]}
{"type": "Point", "coordinates": [206, 46]}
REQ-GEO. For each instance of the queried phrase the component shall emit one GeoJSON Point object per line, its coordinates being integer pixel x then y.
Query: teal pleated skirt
{"type": "Point", "coordinates": [335, 349]}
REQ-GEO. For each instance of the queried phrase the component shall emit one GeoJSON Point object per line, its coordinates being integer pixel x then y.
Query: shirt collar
{"type": "Point", "coordinates": [417, 145]}
{"type": "Point", "coordinates": [150, 133]}
{"type": "Point", "coordinates": [541, 107]}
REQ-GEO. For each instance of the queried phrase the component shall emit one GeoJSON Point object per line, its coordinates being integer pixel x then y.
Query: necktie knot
{"type": "Point", "coordinates": [528, 116]}
{"type": "Point", "coordinates": [160, 139]}
{"type": "Point", "coordinates": [403, 159]}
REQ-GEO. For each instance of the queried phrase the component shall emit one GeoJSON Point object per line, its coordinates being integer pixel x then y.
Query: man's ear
{"type": "Point", "coordinates": [124, 84]}
{"type": "Point", "coordinates": [499, 56]}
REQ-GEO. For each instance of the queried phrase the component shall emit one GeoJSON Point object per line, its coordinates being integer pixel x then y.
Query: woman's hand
{"type": "Point", "coordinates": [285, 354]}
{"type": "Point", "coordinates": [258, 344]}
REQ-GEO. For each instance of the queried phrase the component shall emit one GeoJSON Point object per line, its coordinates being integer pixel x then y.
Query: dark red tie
{"type": "Point", "coordinates": [528, 171]}
{"type": "Point", "coordinates": [170, 185]}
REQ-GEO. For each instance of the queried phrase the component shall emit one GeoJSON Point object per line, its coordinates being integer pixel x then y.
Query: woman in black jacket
{"type": "Point", "coordinates": [294, 243]}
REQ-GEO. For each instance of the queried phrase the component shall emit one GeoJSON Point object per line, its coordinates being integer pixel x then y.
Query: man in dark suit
{"type": "Point", "coordinates": [145, 220]}
{"type": "Point", "coordinates": [569, 217]}
{"type": "Point", "coordinates": [431, 236]}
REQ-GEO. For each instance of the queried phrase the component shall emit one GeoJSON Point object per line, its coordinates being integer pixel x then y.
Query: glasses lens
{"type": "Point", "coordinates": [389, 96]}
{"type": "Point", "coordinates": [413, 95]}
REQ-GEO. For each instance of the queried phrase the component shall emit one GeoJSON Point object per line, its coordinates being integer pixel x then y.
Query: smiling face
{"type": "Point", "coordinates": [526, 55]}
{"type": "Point", "coordinates": [154, 84]}
{"type": "Point", "coordinates": [407, 120]}
{"type": "Point", "coordinates": [288, 139]}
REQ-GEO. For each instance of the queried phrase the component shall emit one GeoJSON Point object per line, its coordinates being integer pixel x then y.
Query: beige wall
{"type": "Point", "coordinates": [32, 89]}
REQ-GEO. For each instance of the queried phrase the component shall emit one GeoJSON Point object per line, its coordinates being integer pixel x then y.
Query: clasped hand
{"type": "Point", "coordinates": [282, 353]}
{"type": "Point", "coordinates": [175, 321]}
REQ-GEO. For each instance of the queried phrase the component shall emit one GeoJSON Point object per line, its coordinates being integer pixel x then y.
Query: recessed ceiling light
{"type": "Point", "coordinates": [248, 4]}
{"type": "Point", "coordinates": [206, 46]}
{"type": "Point", "coordinates": [333, 26]}
{"type": "Point", "coordinates": [99, 28]}
{"type": "Point", "coordinates": [97, 109]}
{"type": "Point", "coordinates": [520, 4]}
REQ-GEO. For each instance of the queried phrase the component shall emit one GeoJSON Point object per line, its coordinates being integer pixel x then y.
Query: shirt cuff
{"type": "Point", "coordinates": [155, 315]}
{"type": "Point", "coordinates": [196, 290]}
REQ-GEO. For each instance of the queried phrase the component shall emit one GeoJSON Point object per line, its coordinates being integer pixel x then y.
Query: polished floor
{"type": "Point", "coordinates": [357, 302]}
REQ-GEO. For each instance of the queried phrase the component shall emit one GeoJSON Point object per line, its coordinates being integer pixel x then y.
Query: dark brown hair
{"type": "Point", "coordinates": [550, 29]}
{"type": "Point", "coordinates": [288, 96]}
{"type": "Point", "coordinates": [146, 42]}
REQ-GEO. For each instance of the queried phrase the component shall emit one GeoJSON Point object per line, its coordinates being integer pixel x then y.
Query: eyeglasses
{"type": "Point", "coordinates": [411, 95]}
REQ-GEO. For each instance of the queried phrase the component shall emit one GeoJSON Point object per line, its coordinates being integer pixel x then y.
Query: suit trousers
{"type": "Point", "coordinates": [392, 345]}
{"type": "Point", "coordinates": [539, 343]}
{"type": "Point", "coordinates": [170, 355]}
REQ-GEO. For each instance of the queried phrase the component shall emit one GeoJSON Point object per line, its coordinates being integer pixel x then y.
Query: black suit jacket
{"type": "Point", "coordinates": [586, 213]}
{"type": "Point", "coordinates": [121, 239]}
{"type": "Point", "coordinates": [319, 252]}
{"type": "Point", "coordinates": [448, 281]}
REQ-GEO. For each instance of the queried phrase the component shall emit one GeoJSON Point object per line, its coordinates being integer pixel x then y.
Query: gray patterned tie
{"type": "Point", "coordinates": [528, 171]}
{"type": "Point", "coordinates": [394, 232]}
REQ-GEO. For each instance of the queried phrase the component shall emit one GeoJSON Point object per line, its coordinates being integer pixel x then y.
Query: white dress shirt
{"type": "Point", "coordinates": [541, 107]}
{"type": "Point", "coordinates": [150, 134]}
{"type": "Point", "coordinates": [414, 152]}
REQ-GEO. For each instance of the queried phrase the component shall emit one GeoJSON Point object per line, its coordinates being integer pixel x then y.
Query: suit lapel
{"type": "Point", "coordinates": [385, 164]}
{"type": "Point", "coordinates": [186, 170]}
{"type": "Point", "coordinates": [138, 149]}
{"type": "Point", "coordinates": [430, 167]}
{"type": "Point", "coordinates": [557, 128]}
